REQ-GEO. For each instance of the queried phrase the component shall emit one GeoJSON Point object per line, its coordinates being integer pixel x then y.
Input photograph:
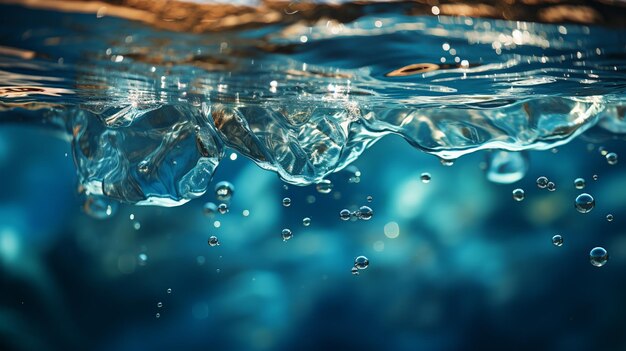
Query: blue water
{"type": "Point", "coordinates": [102, 114]}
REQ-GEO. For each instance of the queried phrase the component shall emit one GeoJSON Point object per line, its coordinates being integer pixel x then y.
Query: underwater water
{"type": "Point", "coordinates": [393, 182]}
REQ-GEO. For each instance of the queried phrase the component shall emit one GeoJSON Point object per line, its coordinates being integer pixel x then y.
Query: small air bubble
{"type": "Point", "coordinates": [286, 234]}
{"type": "Point", "coordinates": [542, 182]}
{"type": "Point", "coordinates": [306, 221]}
{"type": "Point", "coordinates": [425, 177]}
{"type": "Point", "coordinates": [579, 183]}
{"type": "Point", "coordinates": [224, 191]}
{"type": "Point", "coordinates": [609, 217]}
{"type": "Point", "coordinates": [598, 256]}
{"type": "Point", "coordinates": [611, 158]}
{"type": "Point", "coordinates": [557, 240]}
{"type": "Point", "coordinates": [365, 213]}
{"type": "Point", "coordinates": [551, 186]}
{"type": "Point", "coordinates": [324, 187]}
{"type": "Point", "coordinates": [286, 202]}
{"type": "Point", "coordinates": [213, 241]}
{"type": "Point", "coordinates": [361, 262]}
{"type": "Point", "coordinates": [518, 194]}
{"type": "Point", "coordinates": [222, 208]}
{"type": "Point", "coordinates": [344, 215]}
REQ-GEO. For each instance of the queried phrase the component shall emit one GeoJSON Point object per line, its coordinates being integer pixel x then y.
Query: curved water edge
{"type": "Point", "coordinates": [149, 113]}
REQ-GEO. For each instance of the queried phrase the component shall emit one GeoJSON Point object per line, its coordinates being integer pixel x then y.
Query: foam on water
{"type": "Point", "coordinates": [150, 112]}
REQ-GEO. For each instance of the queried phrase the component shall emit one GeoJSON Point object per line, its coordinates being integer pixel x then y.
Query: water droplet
{"type": "Point", "coordinates": [505, 167]}
{"type": "Point", "coordinates": [222, 208]}
{"type": "Point", "coordinates": [324, 187]}
{"type": "Point", "coordinates": [579, 183]}
{"type": "Point", "coordinates": [209, 209]}
{"type": "Point", "coordinates": [594, 177]}
{"type": "Point", "coordinates": [158, 315]}
{"type": "Point", "coordinates": [286, 202]}
{"type": "Point", "coordinates": [224, 191]}
{"type": "Point", "coordinates": [213, 241]}
{"type": "Point", "coordinates": [611, 158]}
{"type": "Point", "coordinates": [344, 215]}
{"type": "Point", "coordinates": [609, 217]}
{"type": "Point", "coordinates": [159, 304]}
{"type": "Point", "coordinates": [99, 207]}
{"type": "Point", "coordinates": [370, 198]}
{"type": "Point", "coordinates": [518, 194]}
{"type": "Point", "coordinates": [361, 262]}
{"type": "Point", "coordinates": [557, 240]}
{"type": "Point", "coordinates": [584, 203]}
{"type": "Point", "coordinates": [306, 221]}
{"type": "Point", "coordinates": [425, 177]}
{"type": "Point", "coordinates": [287, 234]}
{"type": "Point", "coordinates": [542, 182]}
{"type": "Point", "coordinates": [355, 271]}
{"type": "Point", "coordinates": [598, 256]}
{"type": "Point", "coordinates": [551, 186]}
{"type": "Point", "coordinates": [169, 290]}
{"type": "Point", "coordinates": [446, 162]}
{"type": "Point", "coordinates": [365, 213]}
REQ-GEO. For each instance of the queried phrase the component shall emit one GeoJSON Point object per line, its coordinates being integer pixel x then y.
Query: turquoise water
{"type": "Point", "coordinates": [338, 183]}
{"type": "Point", "coordinates": [150, 112]}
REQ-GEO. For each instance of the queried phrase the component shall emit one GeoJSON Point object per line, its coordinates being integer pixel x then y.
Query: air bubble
{"type": "Point", "coordinates": [425, 177]}
{"type": "Point", "coordinates": [306, 221]}
{"type": "Point", "coordinates": [518, 194]}
{"type": "Point", "coordinates": [286, 202]}
{"type": "Point", "coordinates": [557, 240]}
{"type": "Point", "coordinates": [584, 203]}
{"type": "Point", "coordinates": [355, 271]}
{"type": "Point", "coordinates": [158, 315]}
{"type": "Point", "coordinates": [361, 262]}
{"type": "Point", "coordinates": [542, 182]}
{"type": "Point", "coordinates": [99, 207]}
{"type": "Point", "coordinates": [209, 209]}
{"type": "Point", "coordinates": [287, 234]}
{"type": "Point", "coordinates": [369, 198]}
{"type": "Point", "coordinates": [224, 191]}
{"type": "Point", "coordinates": [579, 183]}
{"type": "Point", "coordinates": [611, 158]}
{"type": "Point", "coordinates": [159, 304]}
{"type": "Point", "coordinates": [594, 177]}
{"type": "Point", "coordinates": [551, 186]}
{"type": "Point", "coordinates": [598, 256]}
{"type": "Point", "coordinates": [222, 208]}
{"type": "Point", "coordinates": [344, 215]}
{"type": "Point", "coordinates": [447, 163]}
{"type": "Point", "coordinates": [169, 290]}
{"type": "Point", "coordinates": [609, 217]}
{"type": "Point", "coordinates": [324, 187]}
{"type": "Point", "coordinates": [213, 241]}
{"type": "Point", "coordinates": [365, 213]}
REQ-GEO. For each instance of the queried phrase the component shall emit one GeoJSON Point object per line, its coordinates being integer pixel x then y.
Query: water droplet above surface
{"type": "Point", "coordinates": [213, 241]}
{"type": "Point", "coordinates": [518, 194]}
{"type": "Point", "coordinates": [557, 240]}
{"type": "Point", "coordinates": [598, 256]}
{"type": "Point", "coordinates": [361, 262]}
{"type": "Point", "coordinates": [584, 203]}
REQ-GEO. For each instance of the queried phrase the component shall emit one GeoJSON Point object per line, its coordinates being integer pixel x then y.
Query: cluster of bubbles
{"type": "Point", "coordinates": [544, 183]}
{"type": "Point", "coordinates": [360, 263]}
{"type": "Point", "coordinates": [363, 213]}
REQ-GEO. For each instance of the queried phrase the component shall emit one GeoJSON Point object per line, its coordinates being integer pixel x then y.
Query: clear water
{"type": "Point", "coordinates": [150, 113]}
